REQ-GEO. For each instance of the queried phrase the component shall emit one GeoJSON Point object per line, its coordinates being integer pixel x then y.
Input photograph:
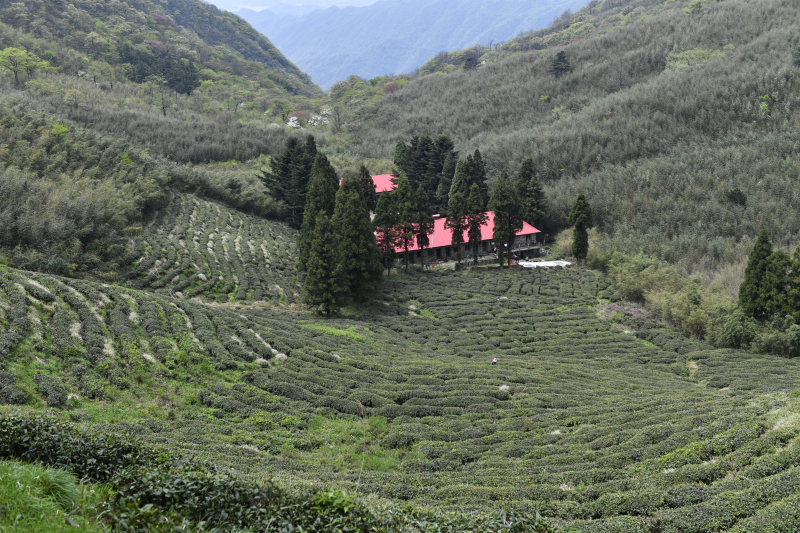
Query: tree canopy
{"type": "Point", "coordinates": [507, 209]}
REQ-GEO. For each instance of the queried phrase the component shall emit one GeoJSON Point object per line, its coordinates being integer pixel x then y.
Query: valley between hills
{"type": "Point", "coordinates": [209, 321]}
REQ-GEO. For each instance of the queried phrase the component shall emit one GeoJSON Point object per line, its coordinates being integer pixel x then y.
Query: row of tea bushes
{"type": "Point", "coordinates": [582, 419]}
{"type": "Point", "coordinates": [197, 248]}
{"type": "Point", "coordinates": [156, 490]}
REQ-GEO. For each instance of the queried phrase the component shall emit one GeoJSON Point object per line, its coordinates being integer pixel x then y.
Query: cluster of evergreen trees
{"type": "Point", "coordinates": [771, 286]}
{"type": "Point", "coordinates": [337, 247]}
{"type": "Point", "coordinates": [429, 163]}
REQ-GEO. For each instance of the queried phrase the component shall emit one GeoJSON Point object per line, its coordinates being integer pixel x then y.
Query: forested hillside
{"type": "Point", "coordinates": [669, 108]}
{"type": "Point", "coordinates": [396, 36]}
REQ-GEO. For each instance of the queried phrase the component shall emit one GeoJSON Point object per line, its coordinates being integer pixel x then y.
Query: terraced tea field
{"type": "Point", "coordinates": [198, 248]}
{"type": "Point", "coordinates": [607, 427]}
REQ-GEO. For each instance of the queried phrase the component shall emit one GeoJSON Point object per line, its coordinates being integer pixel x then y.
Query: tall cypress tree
{"type": "Point", "coordinates": [386, 221]}
{"type": "Point", "coordinates": [476, 217]}
{"type": "Point", "coordinates": [531, 195]}
{"type": "Point", "coordinates": [751, 290]}
{"type": "Point", "coordinates": [580, 216]}
{"type": "Point", "coordinates": [367, 186]}
{"type": "Point", "coordinates": [793, 290]}
{"type": "Point", "coordinates": [507, 217]}
{"type": "Point", "coordinates": [401, 156]}
{"type": "Point", "coordinates": [288, 175]}
{"type": "Point", "coordinates": [423, 225]}
{"type": "Point", "coordinates": [406, 207]}
{"type": "Point", "coordinates": [320, 199]}
{"type": "Point", "coordinates": [774, 289]}
{"type": "Point", "coordinates": [456, 221]}
{"type": "Point", "coordinates": [357, 253]}
{"type": "Point", "coordinates": [446, 182]}
{"type": "Point", "coordinates": [300, 167]}
{"type": "Point", "coordinates": [324, 287]}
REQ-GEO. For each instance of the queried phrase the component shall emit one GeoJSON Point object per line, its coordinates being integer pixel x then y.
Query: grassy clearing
{"type": "Point", "coordinates": [39, 499]}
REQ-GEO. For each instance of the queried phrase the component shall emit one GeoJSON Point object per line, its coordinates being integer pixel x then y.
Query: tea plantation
{"type": "Point", "coordinates": [195, 247]}
{"type": "Point", "coordinates": [599, 424]}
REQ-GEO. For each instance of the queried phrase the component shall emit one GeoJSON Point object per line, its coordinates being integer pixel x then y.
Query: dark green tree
{"type": "Point", "coordinates": [475, 219]}
{"type": "Point", "coordinates": [386, 221]}
{"type": "Point", "coordinates": [580, 217]}
{"type": "Point", "coordinates": [473, 171]}
{"type": "Point", "coordinates": [774, 289]}
{"type": "Point", "coordinates": [796, 57]}
{"type": "Point", "coordinates": [358, 258]}
{"type": "Point", "coordinates": [320, 199]}
{"type": "Point", "coordinates": [456, 221]}
{"type": "Point", "coordinates": [423, 225]}
{"type": "Point", "coordinates": [530, 192]}
{"type": "Point", "coordinates": [367, 186]}
{"type": "Point", "coordinates": [507, 217]}
{"type": "Point", "coordinates": [406, 207]}
{"type": "Point", "coordinates": [324, 287]}
{"type": "Point", "coordinates": [446, 182]}
{"type": "Point", "coordinates": [401, 156]}
{"type": "Point", "coordinates": [288, 175]}
{"type": "Point", "coordinates": [751, 290]}
{"type": "Point", "coordinates": [560, 65]}
{"type": "Point", "coordinates": [793, 290]}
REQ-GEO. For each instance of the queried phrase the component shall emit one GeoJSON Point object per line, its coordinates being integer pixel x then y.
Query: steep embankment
{"type": "Point", "coordinates": [669, 107]}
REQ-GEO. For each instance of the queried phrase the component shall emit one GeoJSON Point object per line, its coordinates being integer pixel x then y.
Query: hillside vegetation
{"type": "Point", "coordinates": [669, 107]}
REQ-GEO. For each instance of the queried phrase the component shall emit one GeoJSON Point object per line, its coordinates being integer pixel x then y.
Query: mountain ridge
{"type": "Point", "coordinates": [375, 40]}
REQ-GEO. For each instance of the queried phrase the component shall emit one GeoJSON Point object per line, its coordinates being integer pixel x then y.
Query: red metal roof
{"type": "Point", "coordinates": [383, 183]}
{"type": "Point", "coordinates": [442, 236]}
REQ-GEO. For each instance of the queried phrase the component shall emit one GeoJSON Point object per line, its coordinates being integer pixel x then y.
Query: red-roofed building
{"type": "Point", "coordinates": [441, 249]}
{"type": "Point", "coordinates": [383, 183]}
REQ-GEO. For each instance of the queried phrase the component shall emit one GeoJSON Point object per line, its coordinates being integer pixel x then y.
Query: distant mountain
{"type": "Point", "coordinates": [281, 7]}
{"type": "Point", "coordinates": [396, 36]}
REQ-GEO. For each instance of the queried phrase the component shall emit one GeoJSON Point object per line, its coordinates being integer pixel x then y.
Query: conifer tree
{"type": "Point", "coordinates": [474, 172]}
{"type": "Point", "coordinates": [386, 221]}
{"type": "Point", "coordinates": [446, 181]}
{"type": "Point", "coordinates": [456, 221]}
{"type": "Point", "coordinates": [357, 253]}
{"type": "Point", "coordinates": [752, 288]}
{"type": "Point", "coordinates": [320, 199]}
{"type": "Point", "coordinates": [507, 217]}
{"type": "Point", "coordinates": [530, 192]}
{"type": "Point", "coordinates": [406, 207]}
{"type": "Point", "coordinates": [560, 65]}
{"type": "Point", "coordinates": [475, 219]}
{"type": "Point", "coordinates": [796, 56]}
{"type": "Point", "coordinates": [793, 289]}
{"type": "Point", "coordinates": [324, 288]}
{"type": "Point", "coordinates": [580, 216]}
{"type": "Point", "coordinates": [401, 156]}
{"type": "Point", "coordinates": [288, 175]}
{"type": "Point", "coordinates": [367, 187]}
{"type": "Point", "coordinates": [776, 284]}
{"type": "Point", "coordinates": [423, 225]}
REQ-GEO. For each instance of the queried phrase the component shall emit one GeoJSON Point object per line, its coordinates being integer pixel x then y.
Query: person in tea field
{"type": "Point", "coordinates": [494, 361]}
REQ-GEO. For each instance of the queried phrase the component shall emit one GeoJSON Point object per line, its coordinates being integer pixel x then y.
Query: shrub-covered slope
{"type": "Point", "coordinates": [161, 37]}
{"type": "Point", "coordinates": [616, 425]}
{"type": "Point", "coordinates": [669, 107]}
{"type": "Point", "coordinates": [70, 196]}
